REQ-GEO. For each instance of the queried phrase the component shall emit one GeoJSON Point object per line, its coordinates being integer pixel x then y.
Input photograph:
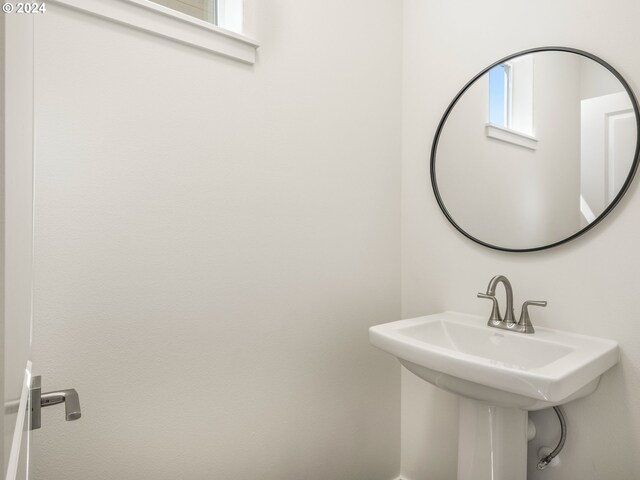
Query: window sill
{"type": "Point", "coordinates": [150, 17]}
{"type": "Point", "coordinates": [511, 136]}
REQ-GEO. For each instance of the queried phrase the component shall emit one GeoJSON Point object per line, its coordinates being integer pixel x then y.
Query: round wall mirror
{"type": "Point", "coordinates": [536, 149]}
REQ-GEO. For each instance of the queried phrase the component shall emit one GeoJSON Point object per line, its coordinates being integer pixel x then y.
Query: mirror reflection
{"type": "Point", "coordinates": [535, 150]}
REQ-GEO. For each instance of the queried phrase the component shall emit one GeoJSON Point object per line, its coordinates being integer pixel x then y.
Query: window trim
{"type": "Point", "coordinates": [508, 135]}
{"type": "Point", "coordinates": [508, 91]}
{"type": "Point", "coordinates": [159, 20]}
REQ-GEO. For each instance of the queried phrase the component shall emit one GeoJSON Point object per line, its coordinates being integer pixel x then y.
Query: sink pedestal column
{"type": "Point", "coordinates": [492, 442]}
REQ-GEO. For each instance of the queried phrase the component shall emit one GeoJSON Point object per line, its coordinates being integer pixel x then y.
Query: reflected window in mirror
{"type": "Point", "coordinates": [511, 96]}
{"type": "Point", "coordinates": [500, 95]}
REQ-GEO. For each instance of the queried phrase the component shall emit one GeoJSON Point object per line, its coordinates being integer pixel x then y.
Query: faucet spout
{"type": "Point", "coordinates": [509, 316]}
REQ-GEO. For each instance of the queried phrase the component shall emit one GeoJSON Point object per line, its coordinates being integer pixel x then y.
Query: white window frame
{"type": "Point", "coordinates": [508, 92]}
{"type": "Point", "coordinates": [156, 19]}
{"type": "Point", "coordinates": [507, 133]}
{"type": "Point", "coordinates": [230, 14]}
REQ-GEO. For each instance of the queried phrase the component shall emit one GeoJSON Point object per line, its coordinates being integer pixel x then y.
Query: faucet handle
{"type": "Point", "coordinates": [525, 321]}
{"type": "Point", "coordinates": [495, 318]}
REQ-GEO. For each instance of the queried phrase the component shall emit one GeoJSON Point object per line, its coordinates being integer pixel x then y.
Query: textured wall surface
{"type": "Point", "coordinates": [213, 241]}
{"type": "Point", "coordinates": [591, 284]}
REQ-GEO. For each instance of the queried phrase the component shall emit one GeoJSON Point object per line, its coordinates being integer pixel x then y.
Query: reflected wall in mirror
{"type": "Point", "coordinates": [536, 149]}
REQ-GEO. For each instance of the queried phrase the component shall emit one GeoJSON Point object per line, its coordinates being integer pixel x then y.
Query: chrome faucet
{"type": "Point", "coordinates": [524, 325]}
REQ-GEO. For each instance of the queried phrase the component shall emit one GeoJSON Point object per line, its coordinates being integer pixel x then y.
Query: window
{"type": "Point", "coordinates": [511, 103]}
{"type": "Point", "coordinates": [203, 9]}
{"type": "Point", "coordinates": [226, 14]}
{"type": "Point", "coordinates": [500, 81]}
{"type": "Point", "coordinates": [213, 25]}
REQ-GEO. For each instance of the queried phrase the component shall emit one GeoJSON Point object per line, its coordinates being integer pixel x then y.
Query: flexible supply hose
{"type": "Point", "coordinates": [543, 463]}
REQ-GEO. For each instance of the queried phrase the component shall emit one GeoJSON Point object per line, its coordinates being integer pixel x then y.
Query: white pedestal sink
{"type": "Point", "coordinates": [501, 375]}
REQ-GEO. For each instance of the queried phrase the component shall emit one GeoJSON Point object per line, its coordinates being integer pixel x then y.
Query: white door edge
{"type": "Point", "coordinates": [22, 425]}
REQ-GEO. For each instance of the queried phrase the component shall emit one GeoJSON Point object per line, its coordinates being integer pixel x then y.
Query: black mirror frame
{"type": "Point", "coordinates": [607, 210]}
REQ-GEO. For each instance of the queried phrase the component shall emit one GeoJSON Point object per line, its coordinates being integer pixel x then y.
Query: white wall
{"type": "Point", "coordinates": [213, 241]}
{"type": "Point", "coordinates": [591, 284]}
{"type": "Point", "coordinates": [596, 80]}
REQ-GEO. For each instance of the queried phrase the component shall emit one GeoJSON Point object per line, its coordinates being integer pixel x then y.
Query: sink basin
{"type": "Point", "coordinates": [500, 375]}
{"type": "Point", "coordinates": [461, 354]}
